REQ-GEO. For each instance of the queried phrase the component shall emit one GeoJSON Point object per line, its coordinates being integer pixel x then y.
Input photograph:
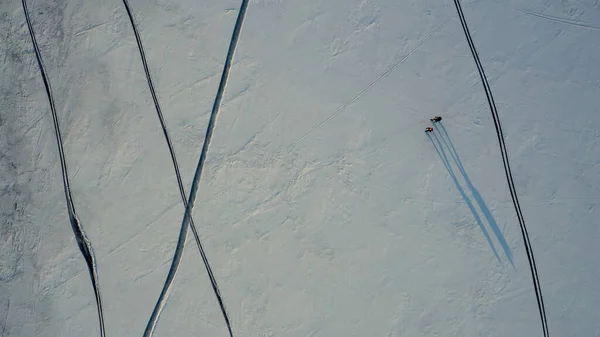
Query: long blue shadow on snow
{"type": "Point", "coordinates": [476, 195]}
{"type": "Point", "coordinates": [439, 149]}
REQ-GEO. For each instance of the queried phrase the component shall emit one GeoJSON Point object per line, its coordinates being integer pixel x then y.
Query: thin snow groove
{"type": "Point", "coordinates": [194, 189]}
{"type": "Point", "coordinates": [174, 160]}
{"type": "Point", "coordinates": [549, 17]}
{"type": "Point", "coordinates": [507, 171]}
{"type": "Point", "coordinates": [85, 245]}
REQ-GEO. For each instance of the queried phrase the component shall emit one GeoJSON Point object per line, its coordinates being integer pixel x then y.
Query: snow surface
{"type": "Point", "coordinates": [324, 208]}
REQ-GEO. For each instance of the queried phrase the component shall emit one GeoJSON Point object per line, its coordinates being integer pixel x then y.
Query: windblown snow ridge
{"type": "Point", "coordinates": [194, 189]}
{"type": "Point", "coordinates": [507, 170]}
{"type": "Point", "coordinates": [85, 246]}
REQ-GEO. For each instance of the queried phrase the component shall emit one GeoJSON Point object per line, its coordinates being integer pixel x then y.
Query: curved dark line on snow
{"type": "Point", "coordinates": [84, 243]}
{"type": "Point", "coordinates": [195, 182]}
{"type": "Point", "coordinates": [507, 171]}
{"type": "Point", "coordinates": [174, 160]}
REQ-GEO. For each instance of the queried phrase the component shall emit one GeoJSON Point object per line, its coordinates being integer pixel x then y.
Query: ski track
{"type": "Point", "coordinates": [85, 245]}
{"type": "Point", "coordinates": [195, 182]}
{"type": "Point", "coordinates": [549, 17]}
{"type": "Point", "coordinates": [174, 159]}
{"type": "Point", "coordinates": [507, 170]}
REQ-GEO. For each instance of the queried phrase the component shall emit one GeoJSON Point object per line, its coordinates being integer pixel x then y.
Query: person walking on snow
{"type": "Point", "coordinates": [436, 119]}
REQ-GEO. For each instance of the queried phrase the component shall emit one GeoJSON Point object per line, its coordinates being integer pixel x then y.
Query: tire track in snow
{"type": "Point", "coordinates": [173, 156]}
{"type": "Point", "coordinates": [507, 170]}
{"type": "Point", "coordinates": [84, 243]}
{"type": "Point", "coordinates": [135, 237]}
{"type": "Point", "coordinates": [194, 189]}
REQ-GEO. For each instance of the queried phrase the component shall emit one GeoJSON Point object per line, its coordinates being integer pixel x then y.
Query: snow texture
{"type": "Point", "coordinates": [324, 209]}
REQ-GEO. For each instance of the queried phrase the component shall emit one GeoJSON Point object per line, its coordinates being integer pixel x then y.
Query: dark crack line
{"type": "Point", "coordinates": [194, 189]}
{"type": "Point", "coordinates": [85, 246]}
{"type": "Point", "coordinates": [507, 171]}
